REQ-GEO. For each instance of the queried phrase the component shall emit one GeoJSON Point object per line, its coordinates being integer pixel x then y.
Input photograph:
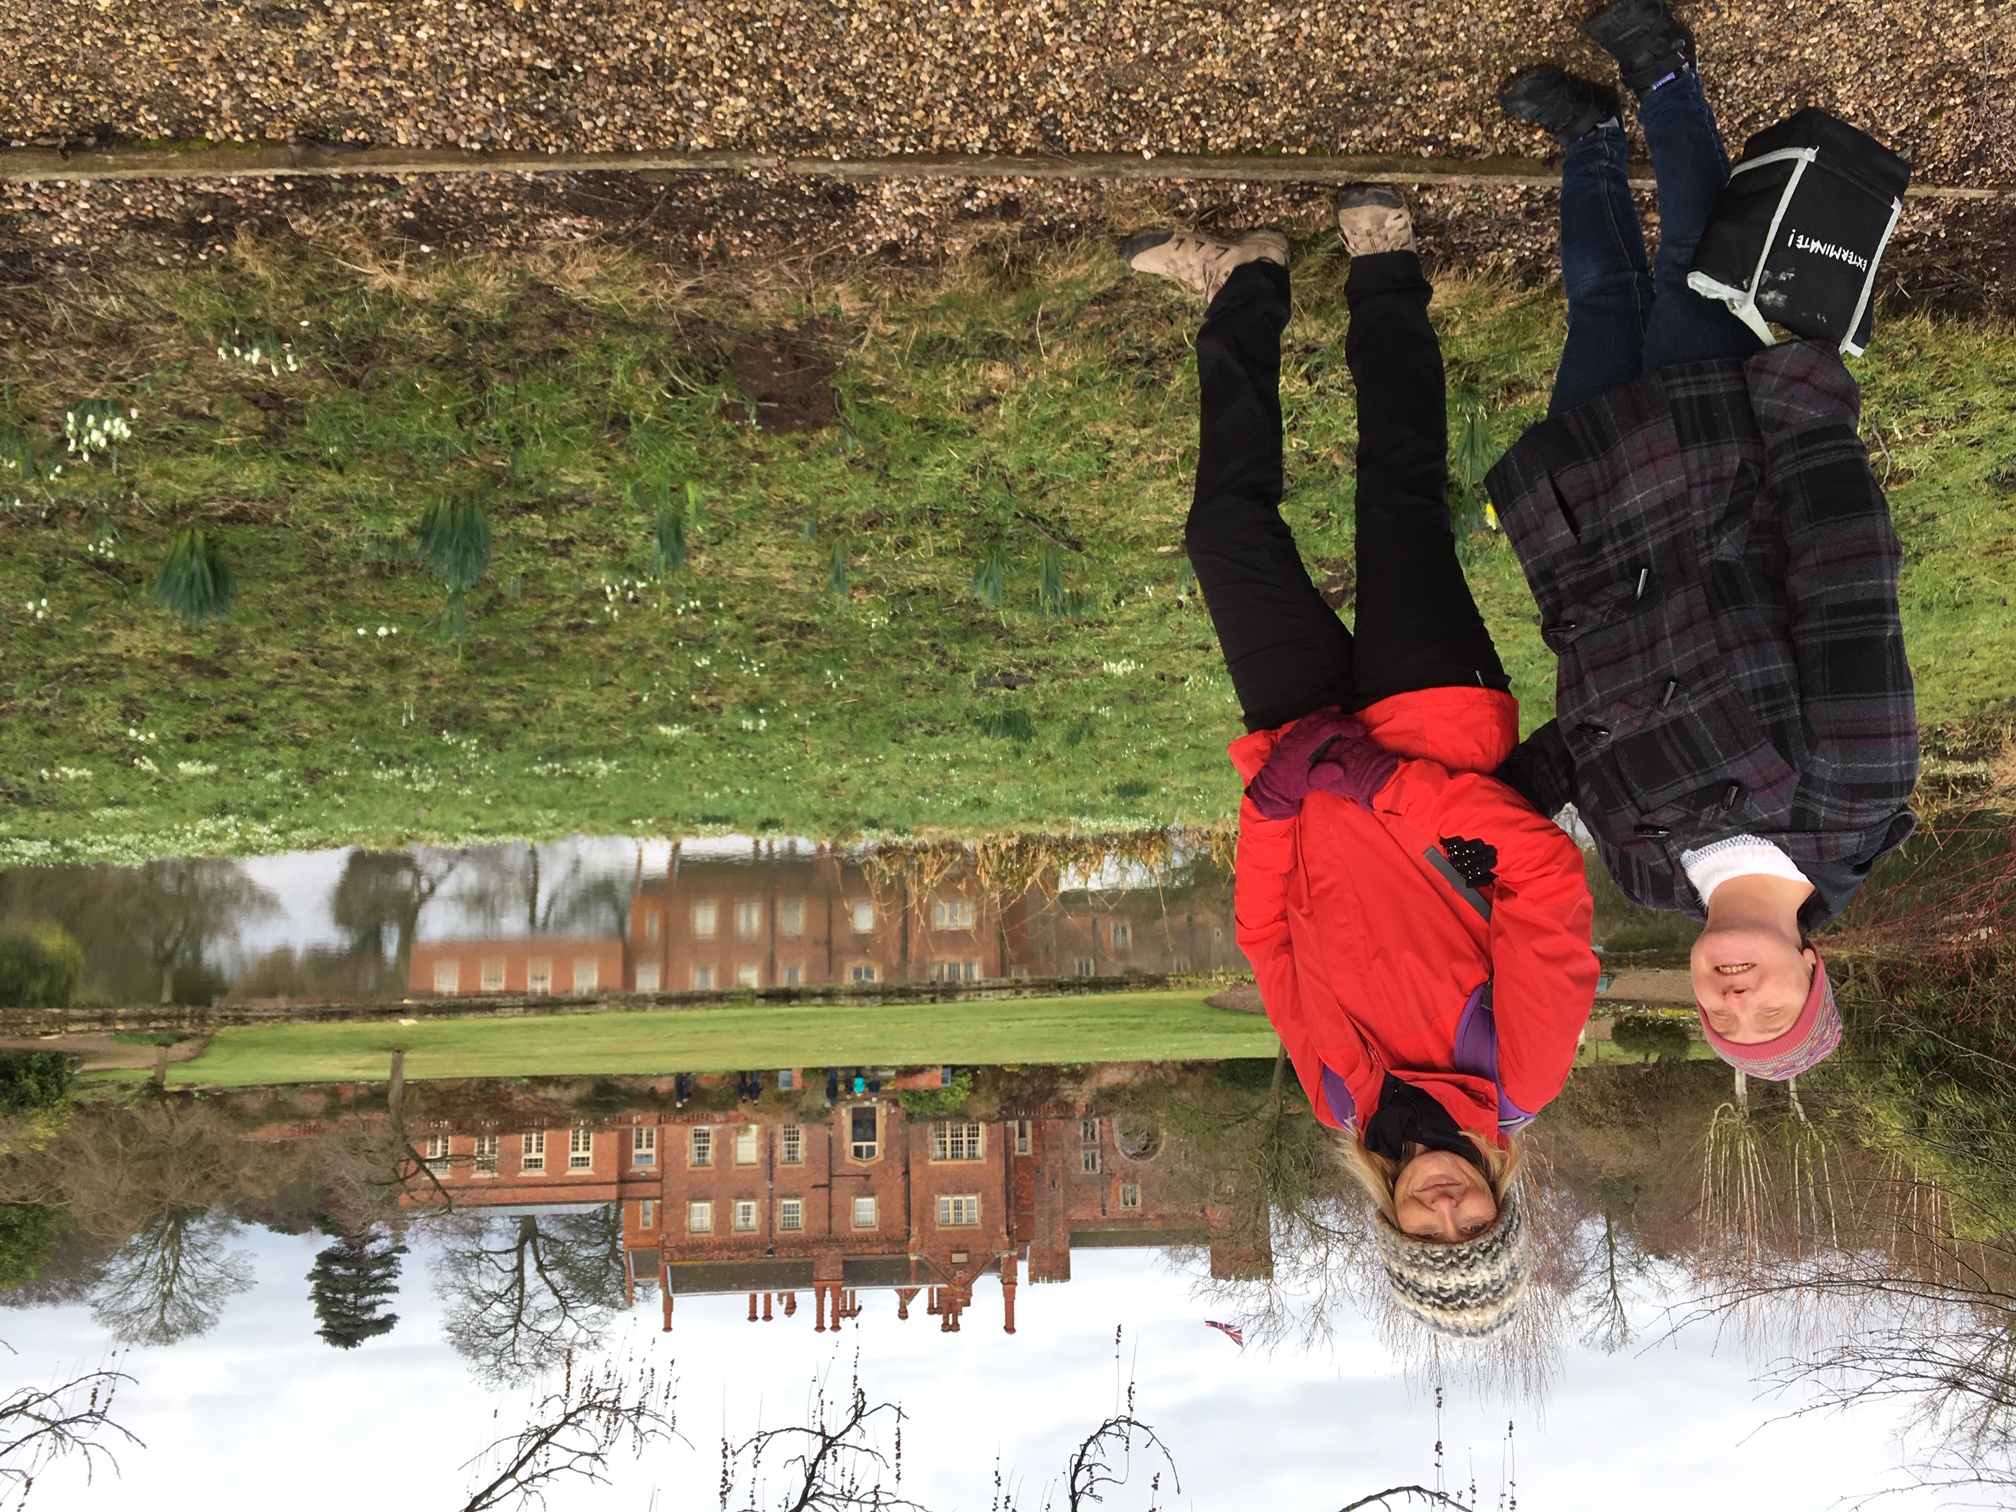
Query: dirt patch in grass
{"type": "Point", "coordinates": [789, 379]}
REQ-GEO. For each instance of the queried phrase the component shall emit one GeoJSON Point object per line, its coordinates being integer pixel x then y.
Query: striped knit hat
{"type": "Point", "coordinates": [1813, 1037]}
{"type": "Point", "coordinates": [1464, 1291]}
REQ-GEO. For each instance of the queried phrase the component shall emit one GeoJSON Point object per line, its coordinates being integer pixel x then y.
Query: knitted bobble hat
{"type": "Point", "coordinates": [1463, 1291]}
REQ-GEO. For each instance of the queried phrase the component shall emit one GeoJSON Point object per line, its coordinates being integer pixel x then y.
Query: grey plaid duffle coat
{"type": "Point", "coordinates": [1716, 572]}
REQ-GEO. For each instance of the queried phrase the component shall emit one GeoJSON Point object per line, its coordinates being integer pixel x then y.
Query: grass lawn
{"type": "Point", "coordinates": [960, 609]}
{"type": "Point", "coordinates": [1013, 1031]}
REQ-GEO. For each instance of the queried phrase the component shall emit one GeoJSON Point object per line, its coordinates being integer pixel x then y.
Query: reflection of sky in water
{"type": "Point", "coordinates": [260, 1406]}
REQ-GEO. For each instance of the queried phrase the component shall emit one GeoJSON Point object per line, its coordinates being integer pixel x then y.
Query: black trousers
{"type": "Point", "coordinates": [1417, 626]}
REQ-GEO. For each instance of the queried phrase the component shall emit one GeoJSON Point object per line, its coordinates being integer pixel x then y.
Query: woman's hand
{"type": "Point", "coordinates": [1328, 750]}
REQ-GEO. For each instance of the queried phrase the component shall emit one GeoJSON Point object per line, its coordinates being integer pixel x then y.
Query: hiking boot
{"type": "Point", "coordinates": [1199, 263]}
{"type": "Point", "coordinates": [1374, 218]}
{"type": "Point", "coordinates": [1562, 104]}
{"type": "Point", "coordinates": [1649, 42]}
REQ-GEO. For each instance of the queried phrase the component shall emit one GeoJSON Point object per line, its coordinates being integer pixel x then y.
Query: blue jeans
{"type": "Point", "coordinates": [1622, 320]}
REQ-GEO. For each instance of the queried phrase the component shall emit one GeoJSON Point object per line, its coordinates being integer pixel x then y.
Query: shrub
{"type": "Point", "coordinates": [1649, 1035]}
{"type": "Point", "coordinates": [39, 966]}
{"type": "Point", "coordinates": [34, 1080]}
{"type": "Point", "coordinates": [938, 1102]}
{"type": "Point", "coordinates": [28, 1235]}
{"type": "Point", "coordinates": [195, 582]}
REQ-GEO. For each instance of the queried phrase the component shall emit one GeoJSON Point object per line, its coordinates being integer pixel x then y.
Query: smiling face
{"type": "Point", "coordinates": [1750, 983]}
{"type": "Point", "coordinates": [1442, 1197]}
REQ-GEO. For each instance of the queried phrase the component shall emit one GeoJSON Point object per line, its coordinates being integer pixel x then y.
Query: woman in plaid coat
{"type": "Point", "coordinates": [1715, 569]}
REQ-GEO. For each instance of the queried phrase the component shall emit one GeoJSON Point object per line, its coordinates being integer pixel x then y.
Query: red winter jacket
{"type": "Point", "coordinates": [1372, 953]}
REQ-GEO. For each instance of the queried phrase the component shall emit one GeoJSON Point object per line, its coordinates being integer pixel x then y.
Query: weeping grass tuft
{"type": "Point", "coordinates": [672, 527]}
{"type": "Point", "coordinates": [455, 543]}
{"type": "Point", "coordinates": [195, 583]}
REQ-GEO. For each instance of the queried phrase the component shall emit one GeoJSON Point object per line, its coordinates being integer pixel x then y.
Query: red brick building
{"type": "Point", "coordinates": [857, 1200]}
{"type": "Point", "coordinates": [792, 917]}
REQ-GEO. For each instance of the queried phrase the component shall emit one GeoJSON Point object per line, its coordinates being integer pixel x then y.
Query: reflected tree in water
{"type": "Point", "coordinates": [171, 1280]}
{"type": "Point", "coordinates": [151, 933]}
{"type": "Point", "coordinates": [379, 898]}
{"type": "Point", "coordinates": [351, 1282]}
{"type": "Point", "coordinates": [523, 1291]}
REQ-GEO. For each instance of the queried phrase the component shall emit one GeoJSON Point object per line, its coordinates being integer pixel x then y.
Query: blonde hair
{"type": "Point", "coordinates": [1378, 1175]}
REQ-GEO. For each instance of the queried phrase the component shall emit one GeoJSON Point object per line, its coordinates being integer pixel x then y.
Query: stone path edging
{"type": "Point", "coordinates": [209, 160]}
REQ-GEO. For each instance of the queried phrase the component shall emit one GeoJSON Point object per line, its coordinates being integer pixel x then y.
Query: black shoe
{"type": "Point", "coordinates": [1649, 42]}
{"type": "Point", "coordinates": [1565, 106]}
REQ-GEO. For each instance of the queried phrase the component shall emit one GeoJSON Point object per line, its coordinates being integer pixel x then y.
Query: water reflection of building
{"type": "Point", "coordinates": [795, 917]}
{"type": "Point", "coordinates": [840, 1202]}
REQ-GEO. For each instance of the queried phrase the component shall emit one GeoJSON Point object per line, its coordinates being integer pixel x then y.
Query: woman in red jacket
{"type": "Point", "coordinates": [1419, 932]}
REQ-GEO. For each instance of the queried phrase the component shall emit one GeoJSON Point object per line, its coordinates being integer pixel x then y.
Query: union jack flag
{"type": "Point", "coordinates": [1235, 1335]}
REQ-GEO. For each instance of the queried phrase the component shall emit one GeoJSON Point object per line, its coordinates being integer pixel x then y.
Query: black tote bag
{"type": "Point", "coordinates": [1797, 236]}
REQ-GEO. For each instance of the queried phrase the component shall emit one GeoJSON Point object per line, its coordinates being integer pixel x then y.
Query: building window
{"type": "Point", "coordinates": [643, 1146]}
{"type": "Point", "coordinates": [864, 917]}
{"type": "Point", "coordinates": [748, 975]}
{"type": "Point", "coordinates": [1123, 936]}
{"type": "Point", "coordinates": [864, 1212]}
{"type": "Point", "coordinates": [1130, 1197]}
{"type": "Point", "coordinates": [1018, 973]}
{"type": "Point", "coordinates": [580, 1150]}
{"type": "Point", "coordinates": [699, 1217]}
{"type": "Point", "coordinates": [790, 1215]}
{"type": "Point", "coordinates": [1088, 1160]}
{"type": "Point", "coordinates": [700, 1146]}
{"type": "Point", "coordinates": [587, 974]}
{"type": "Point", "coordinates": [955, 971]}
{"type": "Point", "coordinates": [647, 1213]}
{"type": "Point", "coordinates": [862, 1136]}
{"type": "Point", "coordinates": [539, 978]}
{"type": "Point", "coordinates": [651, 926]}
{"type": "Point", "coordinates": [746, 1143]}
{"type": "Point", "coordinates": [1088, 1131]}
{"type": "Point", "coordinates": [787, 1080]}
{"type": "Point", "coordinates": [791, 975]}
{"type": "Point", "coordinates": [706, 919]}
{"type": "Point", "coordinates": [647, 976]}
{"type": "Point", "coordinates": [486, 1155]}
{"type": "Point", "coordinates": [437, 1154]}
{"type": "Point", "coordinates": [703, 978]}
{"type": "Point", "coordinates": [1023, 1136]}
{"type": "Point", "coordinates": [791, 918]}
{"type": "Point", "coordinates": [493, 976]}
{"type": "Point", "coordinates": [959, 1212]}
{"type": "Point", "coordinates": [447, 976]}
{"type": "Point", "coordinates": [745, 1217]}
{"type": "Point", "coordinates": [532, 1151]}
{"type": "Point", "coordinates": [957, 1141]}
{"type": "Point", "coordinates": [790, 1145]}
{"type": "Point", "coordinates": [951, 913]}
{"type": "Point", "coordinates": [748, 919]}
{"type": "Point", "coordinates": [1083, 966]}
{"type": "Point", "coordinates": [862, 973]}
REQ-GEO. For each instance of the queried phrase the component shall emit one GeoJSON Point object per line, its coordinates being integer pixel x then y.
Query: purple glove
{"type": "Point", "coordinates": [1329, 750]}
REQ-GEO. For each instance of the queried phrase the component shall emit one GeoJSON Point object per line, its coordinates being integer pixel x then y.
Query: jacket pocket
{"type": "Point", "coordinates": [1693, 754]}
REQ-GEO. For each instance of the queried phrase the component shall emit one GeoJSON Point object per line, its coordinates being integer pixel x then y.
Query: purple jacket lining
{"type": "Point", "coordinates": [1476, 1054]}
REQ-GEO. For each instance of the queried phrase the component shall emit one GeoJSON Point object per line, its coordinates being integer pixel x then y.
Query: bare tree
{"type": "Point", "coordinates": [524, 1292]}
{"type": "Point", "coordinates": [40, 1426]}
{"type": "Point", "coordinates": [1093, 1465]}
{"type": "Point", "coordinates": [572, 1434]}
{"type": "Point", "coordinates": [171, 1280]}
{"type": "Point", "coordinates": [834, 1463]}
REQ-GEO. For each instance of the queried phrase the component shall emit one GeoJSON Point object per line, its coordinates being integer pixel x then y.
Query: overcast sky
{"type": "Point", "coordinates": [260, 1407]}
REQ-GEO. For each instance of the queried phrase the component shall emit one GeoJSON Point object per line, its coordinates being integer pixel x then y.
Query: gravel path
{"type": "Point", "coordinates": [872, 78]}
{"type": "Point", "coordinates": [864, 77]}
